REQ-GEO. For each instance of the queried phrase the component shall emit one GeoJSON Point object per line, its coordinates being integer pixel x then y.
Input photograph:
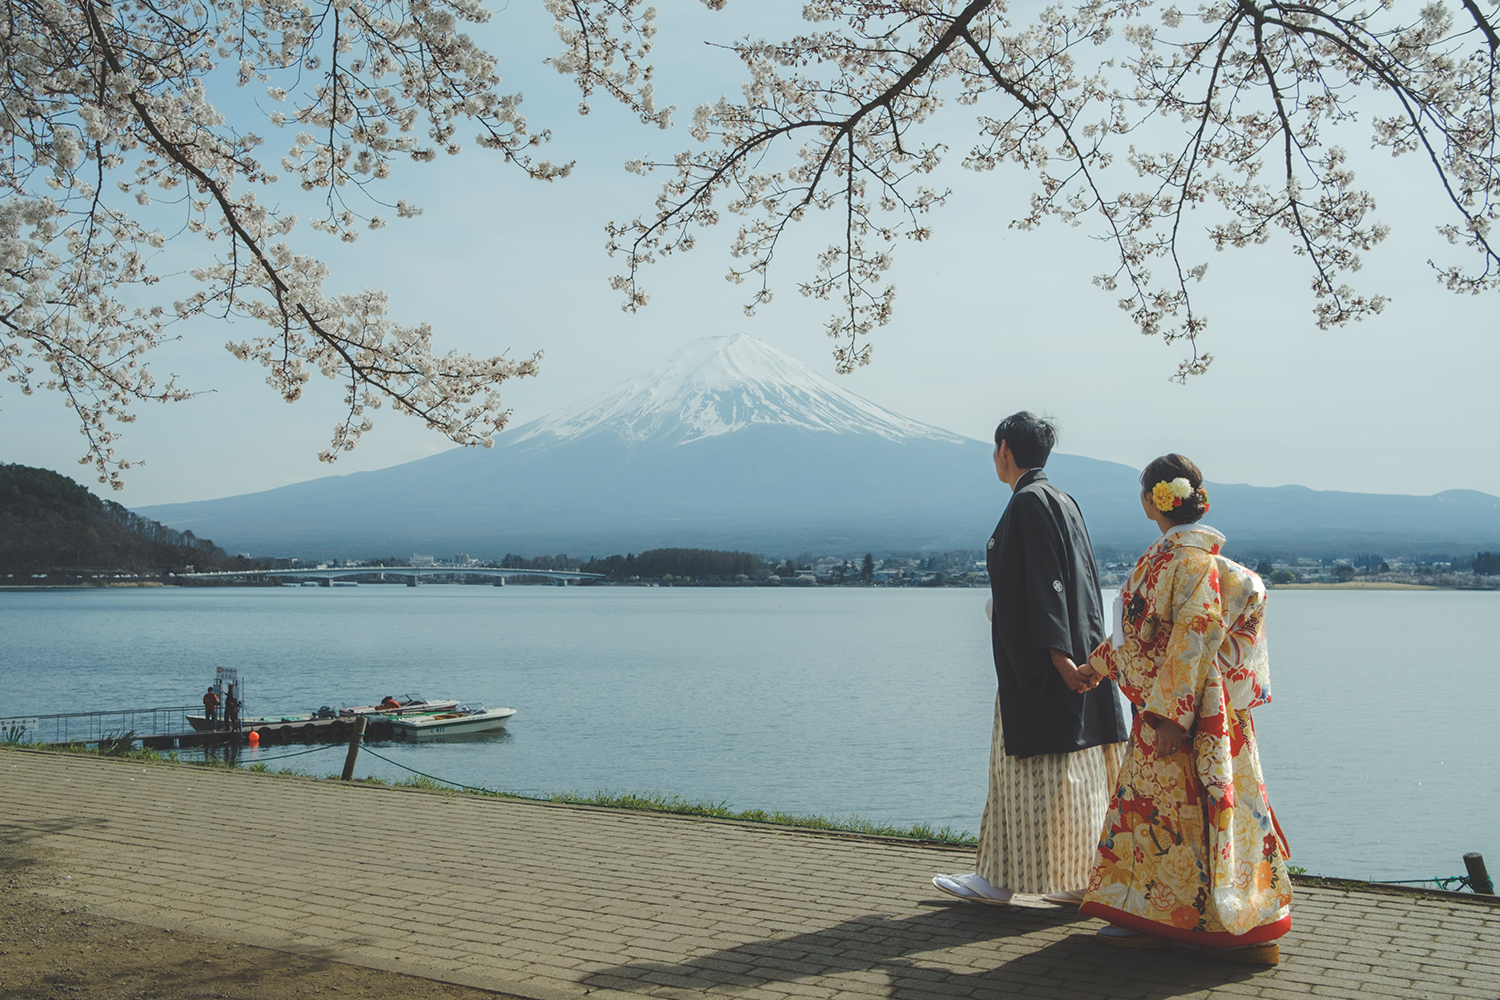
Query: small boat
{"type": "Point", "coordinates": [462, 722]}
{"type": "Point", "coordinates": [200, 722]}
{"type": "Point", "coordinates": [405, 705]}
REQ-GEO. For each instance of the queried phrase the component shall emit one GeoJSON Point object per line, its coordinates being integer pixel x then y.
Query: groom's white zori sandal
{"type": "Point", "coordinates": [972, 888]}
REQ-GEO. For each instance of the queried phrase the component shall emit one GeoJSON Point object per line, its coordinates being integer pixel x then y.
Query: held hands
{"type": "Point", "coordinates": [1078, 679]}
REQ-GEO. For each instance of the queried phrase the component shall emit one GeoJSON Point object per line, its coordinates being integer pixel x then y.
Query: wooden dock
{"type": "Point", "coordinates": [378, 727]}
{"type": "Point", "coordinates": [166, 728]}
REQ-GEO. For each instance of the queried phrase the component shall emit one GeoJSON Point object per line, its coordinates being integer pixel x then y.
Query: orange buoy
{"type": "Point", "coordinates": [254, 738]}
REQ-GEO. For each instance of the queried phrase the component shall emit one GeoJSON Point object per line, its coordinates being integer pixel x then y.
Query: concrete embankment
{"type": "Point", "coordinates": [555, 902]}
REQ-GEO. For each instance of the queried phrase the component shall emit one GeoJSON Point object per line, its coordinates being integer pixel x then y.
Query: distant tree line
{"type": "Point", "coordinates": [1369, 563]}
{"type": "Point", "coordinates": [51, 524]}
{"type": "Point", "coordinates": [541, 562]}
{"type": "Point", "coordinates": [705, 565]}
{"type": "Point", "coordinates": [709, 565]}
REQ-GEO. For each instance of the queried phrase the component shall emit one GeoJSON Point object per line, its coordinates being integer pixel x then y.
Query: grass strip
{"type": "Point", "coordinates": [652, 802]}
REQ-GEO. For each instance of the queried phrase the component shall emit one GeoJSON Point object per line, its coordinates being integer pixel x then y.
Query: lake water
{"type": "Point", "coordinates": [1380, 750]}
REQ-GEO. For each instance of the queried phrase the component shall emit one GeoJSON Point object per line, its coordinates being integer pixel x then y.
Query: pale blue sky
{"type": "Point", "coordinates": [988, 320]}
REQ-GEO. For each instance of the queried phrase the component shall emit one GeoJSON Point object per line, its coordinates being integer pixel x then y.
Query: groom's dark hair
{"type": "Point", "coordinates": [1030, 438]}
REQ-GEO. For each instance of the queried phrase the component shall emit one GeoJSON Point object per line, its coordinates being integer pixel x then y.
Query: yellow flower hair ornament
{"type": "Point", "coordinates": [1168, 496]}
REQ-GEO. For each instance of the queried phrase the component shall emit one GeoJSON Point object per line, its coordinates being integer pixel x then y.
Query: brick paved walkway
{"type": "Point", "coordinates": [554, 902]}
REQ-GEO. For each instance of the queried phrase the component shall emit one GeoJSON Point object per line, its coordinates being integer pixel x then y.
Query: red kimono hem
{"type": "Point", "coordinates": [1198, 939]}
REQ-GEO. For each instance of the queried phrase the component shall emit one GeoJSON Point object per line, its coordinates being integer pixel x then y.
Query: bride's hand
{"type": "Point", "coordinates": [1170, 738]}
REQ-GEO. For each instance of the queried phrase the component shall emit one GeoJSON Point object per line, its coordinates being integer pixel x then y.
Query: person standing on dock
{"type": "Point", "coordinates": [211, 708]}
{"type": "Point", "coordinates": [231, 711]}
{"type": "Point", "coordinates": [1058, 736]}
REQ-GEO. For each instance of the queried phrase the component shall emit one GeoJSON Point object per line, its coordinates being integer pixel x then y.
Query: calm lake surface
{"type": "Point", "coordinates": [1380, 748]}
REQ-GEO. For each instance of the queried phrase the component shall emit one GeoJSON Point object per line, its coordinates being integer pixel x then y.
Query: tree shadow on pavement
{"type": "Point", "coordinates": [20, 833]}
{"type": "Point", "coordinates": [54, 952]}
{"type": "Point", "coordinates": [17, 851]}
{"type": "Point", "coordinates": [906, 951]}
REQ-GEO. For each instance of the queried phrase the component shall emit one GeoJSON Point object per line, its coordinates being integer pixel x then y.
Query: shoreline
{"type": "Point", "coordinates": [1366, 585]}
{"type": "Point", "coordinates": [1108, 585]}
{"type": "Point", "coordinates": [81, 586]}
{"type": "Point", "coordinates": [660, 804]}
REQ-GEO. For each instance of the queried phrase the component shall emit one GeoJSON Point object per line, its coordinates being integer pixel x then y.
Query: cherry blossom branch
{"type": "Point", "coordinates": [125, 85]}
{"type": "Point", "coordinates": [1244, 97]}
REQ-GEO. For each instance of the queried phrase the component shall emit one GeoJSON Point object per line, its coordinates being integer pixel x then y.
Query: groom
{"type": "Point", "coordinates": [1058, 737]}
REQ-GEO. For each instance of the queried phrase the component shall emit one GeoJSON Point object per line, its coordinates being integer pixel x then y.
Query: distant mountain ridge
{"type": "Point", "coordinates": [731, 444]}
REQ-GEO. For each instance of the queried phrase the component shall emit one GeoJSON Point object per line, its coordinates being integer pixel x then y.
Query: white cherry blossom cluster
{"type": "Point", "coordinates": [108, 108]}
{"type": "Point", "coordinates": [605, 46]}
{"type": "Point", "coordinates": [1225, 109]}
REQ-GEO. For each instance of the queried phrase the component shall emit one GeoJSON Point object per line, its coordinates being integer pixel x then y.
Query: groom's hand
{"type": "Point", "coordinates": [1071, 675]}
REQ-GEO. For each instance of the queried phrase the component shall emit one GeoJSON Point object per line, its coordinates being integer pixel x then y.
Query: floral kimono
{"type": "Point", "coordinates": [1190, 849]}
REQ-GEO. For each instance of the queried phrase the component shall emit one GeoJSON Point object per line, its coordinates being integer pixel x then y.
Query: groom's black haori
{"type": "Point", "coordinates": [1045, 586]}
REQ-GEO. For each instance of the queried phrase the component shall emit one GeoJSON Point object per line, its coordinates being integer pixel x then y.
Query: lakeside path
{"type": "Point", "coordinates": [554, 902]}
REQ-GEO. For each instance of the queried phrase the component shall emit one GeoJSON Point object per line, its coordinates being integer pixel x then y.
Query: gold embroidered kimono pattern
{"type": "Point", "coordinates": [1190, 848]}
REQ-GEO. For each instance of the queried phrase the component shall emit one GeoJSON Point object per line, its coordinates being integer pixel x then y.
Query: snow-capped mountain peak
{"type": "Point", "coordinates": [719, 385]}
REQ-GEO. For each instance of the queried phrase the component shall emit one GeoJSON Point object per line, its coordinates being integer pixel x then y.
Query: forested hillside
{"type": "Point", "coordinates": [51, 525]}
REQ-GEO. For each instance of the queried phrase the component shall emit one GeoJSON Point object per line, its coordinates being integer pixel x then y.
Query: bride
{"type": "Point", "coordinates": [1190, 851]}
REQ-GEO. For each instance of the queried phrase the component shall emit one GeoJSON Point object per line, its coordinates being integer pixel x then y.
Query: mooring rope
{"type": "Point", "coordinates": [424, 774]}
{"type": "Point", "coordinates": [1443, 883]}
{"type": "Point", "coordinates": [299, 753]}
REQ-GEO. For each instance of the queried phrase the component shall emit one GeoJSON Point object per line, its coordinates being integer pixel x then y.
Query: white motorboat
{"type": "Point", "coordinates": [463, 721]}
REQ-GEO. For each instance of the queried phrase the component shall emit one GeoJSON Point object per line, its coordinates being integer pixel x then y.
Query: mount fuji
{"type": "Point", "coordinates": [731, 444]}
{"type": "Point", "coordinates": [722, 385]}
{"type": "Point", "coordinates": [727, 444]}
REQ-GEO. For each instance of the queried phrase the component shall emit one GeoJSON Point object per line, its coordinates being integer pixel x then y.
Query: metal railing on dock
{"type": "Point", "coordinates": [90, 727]}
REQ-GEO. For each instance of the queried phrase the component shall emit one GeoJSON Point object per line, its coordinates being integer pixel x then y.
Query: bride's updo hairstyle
{"type": "Point", "coordinates": [1157, 486]}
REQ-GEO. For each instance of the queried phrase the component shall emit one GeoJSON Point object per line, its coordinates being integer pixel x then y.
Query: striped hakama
{"type": "Point", "coordinates": [1044, 814]}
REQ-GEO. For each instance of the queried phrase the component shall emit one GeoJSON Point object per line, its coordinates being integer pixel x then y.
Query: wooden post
{"type": "Point", "coordinates": [1479, 878]}
{"type": "Point", "coordinates": [354, 740]}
